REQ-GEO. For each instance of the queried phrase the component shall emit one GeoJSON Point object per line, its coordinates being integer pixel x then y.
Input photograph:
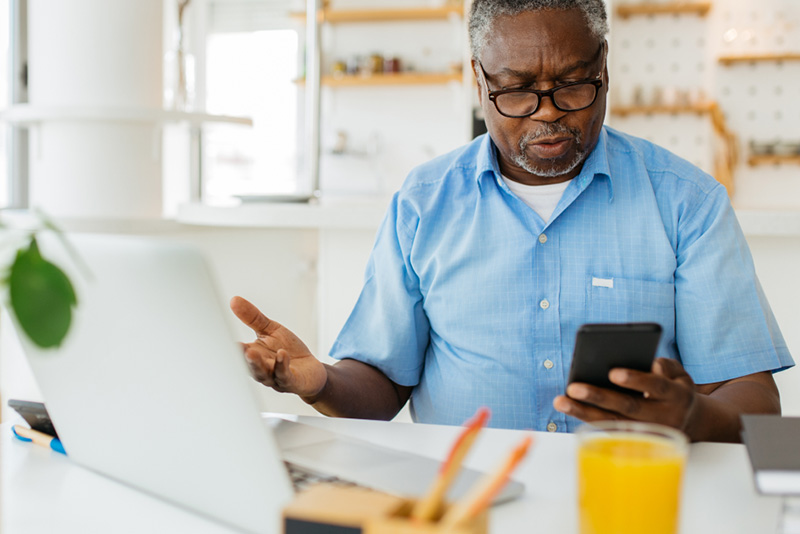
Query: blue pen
{"type": "Point", "coordinates": [40, 438]}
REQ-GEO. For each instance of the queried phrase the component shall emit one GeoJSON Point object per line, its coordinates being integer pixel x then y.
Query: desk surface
{"type": "Point", "coordinates": [42, 491]}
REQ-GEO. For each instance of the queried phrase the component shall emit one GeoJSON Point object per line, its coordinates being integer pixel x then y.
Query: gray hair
{"type": "Point", "coordinates": [484, 12]}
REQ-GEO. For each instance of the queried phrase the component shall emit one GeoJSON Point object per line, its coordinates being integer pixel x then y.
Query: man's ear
{"type": "Point", "coordinates": [476, 72]}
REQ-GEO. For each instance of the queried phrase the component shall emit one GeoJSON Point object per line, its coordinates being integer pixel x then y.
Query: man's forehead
{"type": "Point", "coordinates": [545, 36]}
{"type": "Point", "coordinates": [545, 27]}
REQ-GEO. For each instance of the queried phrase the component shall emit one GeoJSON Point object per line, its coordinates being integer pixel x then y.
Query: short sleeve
{"type": "Point", "coordinates": [388, 328]}
{"type": "Point", "coordinates": [724, 326]}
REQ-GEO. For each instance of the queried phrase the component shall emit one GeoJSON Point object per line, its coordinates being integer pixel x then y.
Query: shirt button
{"type": "Point", "coordinates": [548, 364]}
{"type": "Point", "coordinates": [544, 304]}
{"type": "Point", "coordinates": [551, 427]}
{"type": "Point", "coordinates": [542, 239]}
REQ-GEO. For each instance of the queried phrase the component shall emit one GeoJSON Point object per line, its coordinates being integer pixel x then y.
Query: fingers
{"type": "Point", "coordinates": [648, 384]}
{"type": "Point", "coordinates": [631, 406]}
{"type": "Point", "coordinates": [250, 315]}
{"type": "Point", "coordinates": [658, 384]}
{"type": "Point", "coordinates": [261, 366]}
{"type": "Point", "coordinates": [667, 396]}
{"type": "Point", "coordinates": [269, 344]}
{"type": "Point", "coordinates": [281, 372]}
{"type": "Point", "coordinates": [271, 369]}
{"type": "Point", "coordinates": [669, 368]}
{"type": "Point", "coordinates": [583, 411]}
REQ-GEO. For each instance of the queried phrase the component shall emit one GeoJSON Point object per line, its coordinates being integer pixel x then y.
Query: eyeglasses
{"type": "Point", "coordinates": [519, 103]}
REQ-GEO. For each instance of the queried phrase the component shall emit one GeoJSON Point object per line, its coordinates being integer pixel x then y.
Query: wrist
{"type": "Point", "coordinates": [316, 397]}
{"type": "Point", "coordinates": [694, 424]}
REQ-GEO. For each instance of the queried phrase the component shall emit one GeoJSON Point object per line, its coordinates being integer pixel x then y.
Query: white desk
{"type": "Point", "coordinates": [43, 491]}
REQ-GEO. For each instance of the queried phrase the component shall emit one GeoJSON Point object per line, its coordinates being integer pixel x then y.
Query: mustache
{"type": "Point", "coordinates": [549, 130]}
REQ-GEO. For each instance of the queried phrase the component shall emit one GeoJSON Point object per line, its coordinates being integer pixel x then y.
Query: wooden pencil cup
{"type": "Point", "coordinates": [328, 508]}
{"type": "Point", "coordinates": [400, 523]}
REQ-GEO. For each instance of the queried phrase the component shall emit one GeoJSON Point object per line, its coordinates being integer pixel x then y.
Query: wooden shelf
{"type": "Point", "coordinates": [753, 58]}
{"type": "Point", "coordinates": [333, 16]}
{"type": "Point", "coordinates": [670, 8]}
{"type": "Point", "coordinates": [772, 159]}
{"type": "Point", "coordinates": [399, 78]}
{"type": "Point", "coordinates": [624, 111]}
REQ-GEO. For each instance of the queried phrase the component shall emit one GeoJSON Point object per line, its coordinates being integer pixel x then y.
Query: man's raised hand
{"type": "Point", "coordinates": [278, 358]}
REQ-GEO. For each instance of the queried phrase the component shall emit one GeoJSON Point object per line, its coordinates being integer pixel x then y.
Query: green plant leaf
{"type": "Point", "coordinates": [42, 297]}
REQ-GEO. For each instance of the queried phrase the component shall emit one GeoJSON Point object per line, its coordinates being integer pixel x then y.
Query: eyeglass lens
{"type": "Point", "coordinates": [570, 98]}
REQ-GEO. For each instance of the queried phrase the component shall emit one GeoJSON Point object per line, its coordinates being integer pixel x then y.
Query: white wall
{"type": "Point", "coordinates": [777, 262]}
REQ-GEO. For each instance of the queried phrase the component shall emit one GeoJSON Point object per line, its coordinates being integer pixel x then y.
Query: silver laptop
{"type": "Point", "coordinates": [151, 389]}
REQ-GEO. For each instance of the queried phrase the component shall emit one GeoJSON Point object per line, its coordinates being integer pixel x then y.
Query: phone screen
{"type": "Point", "coordinates": [600, 347]}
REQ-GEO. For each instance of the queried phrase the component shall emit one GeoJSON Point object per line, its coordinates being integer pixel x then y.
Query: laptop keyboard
{"type": "Point", "coordinates": [303, 478]}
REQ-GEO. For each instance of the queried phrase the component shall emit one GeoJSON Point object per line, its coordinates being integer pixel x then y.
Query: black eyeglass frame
{"type": "Point", "coordinates": [597, 82]}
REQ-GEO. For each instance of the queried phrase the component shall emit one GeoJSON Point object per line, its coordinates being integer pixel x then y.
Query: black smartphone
{"type": "Point", "coordinates": [600, 347]}
{"type": "Point", "coordinates": [35, 414]}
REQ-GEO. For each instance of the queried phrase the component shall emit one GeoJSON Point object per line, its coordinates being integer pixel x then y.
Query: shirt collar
{"type": "Point", "coordinates": [595, 164]}
{"type": "Point", "coordinates": [487, 159]}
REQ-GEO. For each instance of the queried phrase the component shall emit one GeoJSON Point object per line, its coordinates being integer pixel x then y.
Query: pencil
{"type": "Point", "coordinates": [426, 508]}
{"type": "Point", "coordinates": [39, 438]}
{"type": "Point", "coordinates": [480, 498]}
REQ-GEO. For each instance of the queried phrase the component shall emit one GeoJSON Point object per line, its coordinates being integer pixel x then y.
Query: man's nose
{"type": "Point", "coordinates": [547, 112]}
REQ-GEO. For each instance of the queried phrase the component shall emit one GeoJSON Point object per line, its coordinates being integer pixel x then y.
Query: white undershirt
{"type": "Point", "coordinates": [542, 198]}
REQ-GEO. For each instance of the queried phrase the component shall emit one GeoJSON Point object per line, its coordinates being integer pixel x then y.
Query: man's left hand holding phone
{"type": "Point", "coordinates": [665, 394]}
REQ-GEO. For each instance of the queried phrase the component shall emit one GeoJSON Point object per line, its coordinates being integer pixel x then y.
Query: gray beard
{"type": "Point", "coordinates": [522, 160]}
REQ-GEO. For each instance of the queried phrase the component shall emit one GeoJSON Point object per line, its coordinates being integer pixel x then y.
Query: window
{"type": "Point", "coordinates": [252, 60]}
{"type": "Point", "coordinates": [5, 101]}
{"type": "Point", "coordinates": [13, 90]}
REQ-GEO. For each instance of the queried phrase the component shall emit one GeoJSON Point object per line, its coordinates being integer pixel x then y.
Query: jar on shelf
{"type": "Point", "coordinates": [391, 65]}
{"type": "Point", "coordinates": [353, 65]}
{"type": "Point", "coordinates": [339, 69]}
{"type": "Point", "coordinates": [376, 64]}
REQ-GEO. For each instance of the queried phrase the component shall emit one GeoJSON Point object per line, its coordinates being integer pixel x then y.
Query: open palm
{"type": "Point", "coordinates": [278, 358]}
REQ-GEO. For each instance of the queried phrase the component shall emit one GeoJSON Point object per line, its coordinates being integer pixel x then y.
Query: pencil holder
{"type": "Point", "coordinates": [339, 509]}
{"type": "Point", "coordinates": [354, 510]}
{"type": "Point", "coordinates": [400, 523]}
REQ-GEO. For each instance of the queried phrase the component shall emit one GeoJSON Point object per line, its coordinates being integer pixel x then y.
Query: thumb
{"type": "Point", "coordinates": [251, 316]}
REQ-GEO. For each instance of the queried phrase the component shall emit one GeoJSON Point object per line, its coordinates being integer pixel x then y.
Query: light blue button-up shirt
{"type": "Point", "coordinates": [471, 297]}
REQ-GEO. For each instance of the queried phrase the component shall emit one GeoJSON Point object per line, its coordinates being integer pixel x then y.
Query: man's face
{"type": "Point", "coordinates": [540, 50]}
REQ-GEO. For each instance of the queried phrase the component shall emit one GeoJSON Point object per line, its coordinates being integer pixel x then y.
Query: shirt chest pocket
{"type": "Point", "coordinates": [623, 300]}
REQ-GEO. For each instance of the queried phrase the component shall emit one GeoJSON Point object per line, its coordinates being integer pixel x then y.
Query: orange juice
{"type": "Point", "coordinates": [629, 483]}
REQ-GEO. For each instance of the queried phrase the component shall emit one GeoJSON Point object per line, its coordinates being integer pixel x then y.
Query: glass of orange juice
{"type": "Point", "coordinates": [629, 477]}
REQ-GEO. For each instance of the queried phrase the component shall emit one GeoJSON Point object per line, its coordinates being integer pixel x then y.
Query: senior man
{"type": "Point", "coordinates": [489, 257]}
